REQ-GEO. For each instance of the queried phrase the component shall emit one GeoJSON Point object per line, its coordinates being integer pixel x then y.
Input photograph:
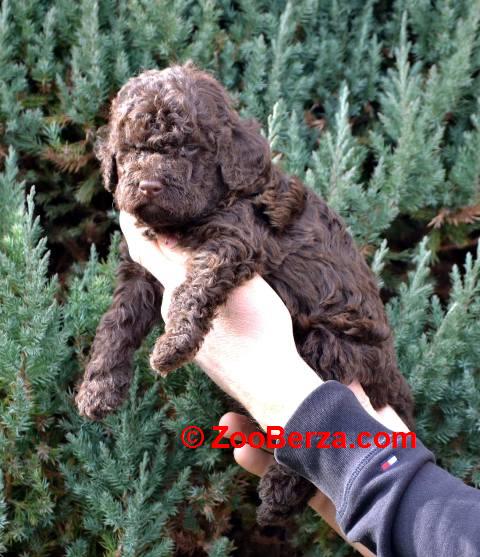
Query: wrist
{"type": "Point", "coordinates": [289, 383]}
{"type": "Point", "coordinates": [270, 381]}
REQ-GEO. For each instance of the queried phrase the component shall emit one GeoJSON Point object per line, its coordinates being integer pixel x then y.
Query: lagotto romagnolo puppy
{"type": "Point", "coordinates": [178, 156]}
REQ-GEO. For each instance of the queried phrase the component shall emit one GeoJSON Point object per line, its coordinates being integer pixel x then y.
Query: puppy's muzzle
{"type": "Point", "coordinates": [150, 188]}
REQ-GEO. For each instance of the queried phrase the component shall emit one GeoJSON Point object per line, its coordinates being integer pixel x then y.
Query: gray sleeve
{"type": "Point", "coordinates": [395, 501]}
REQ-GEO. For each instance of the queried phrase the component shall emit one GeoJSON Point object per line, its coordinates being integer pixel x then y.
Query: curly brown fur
{"type": "Point", "coordinates": [134, 311]}
{"type": "Point", "coordinates": [282, 494]}
{"type": "Point", "coordinates": [178, 156]}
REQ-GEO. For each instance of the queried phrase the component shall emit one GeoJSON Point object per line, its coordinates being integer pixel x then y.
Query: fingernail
{"type": "Point", "coordinates": [170, 241]}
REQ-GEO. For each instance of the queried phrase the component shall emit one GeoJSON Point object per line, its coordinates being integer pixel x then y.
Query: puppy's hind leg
{"type": "Point", "coordinates": [283, 494]}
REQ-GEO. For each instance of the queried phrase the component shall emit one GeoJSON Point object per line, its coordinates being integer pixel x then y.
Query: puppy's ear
{"type": "Point", "coordinates": [244, 156]}
{"type": "Point", "coordinates": [283, 199]}
{"type": "Point", "coordinates": [106, 156]}
{"type": "Point", "coordinates": [190, 65]}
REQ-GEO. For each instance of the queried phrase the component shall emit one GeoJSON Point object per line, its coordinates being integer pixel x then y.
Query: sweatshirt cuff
{"type": "Point", "coordinates": [336, 462]}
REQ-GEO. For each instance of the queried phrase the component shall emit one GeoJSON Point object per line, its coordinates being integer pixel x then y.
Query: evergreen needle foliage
{"type": "Point", "coordinates": [373, 104]}
{"type": "Point", "coordinates": [123, 487]}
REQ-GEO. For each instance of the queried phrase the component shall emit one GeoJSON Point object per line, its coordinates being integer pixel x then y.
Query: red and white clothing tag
{"type": "Point", "coordinates": [388, 463]}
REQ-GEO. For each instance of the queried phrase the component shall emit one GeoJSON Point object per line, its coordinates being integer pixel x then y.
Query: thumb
{"type": "Point", "coordinates": [160, 256]}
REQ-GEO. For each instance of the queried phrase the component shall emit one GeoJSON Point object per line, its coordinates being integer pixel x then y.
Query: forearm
{"type": "Point", "coordinates": [278, 397]}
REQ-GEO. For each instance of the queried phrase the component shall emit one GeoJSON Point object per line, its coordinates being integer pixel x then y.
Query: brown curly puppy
{"type": "Point", "coordinates": [178, 157]}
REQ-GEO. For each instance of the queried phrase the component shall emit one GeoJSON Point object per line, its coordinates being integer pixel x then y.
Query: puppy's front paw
{"type": "Point", "coordinates": [99, 397]}
{"type": "Point", "coordinates": [171, 352]}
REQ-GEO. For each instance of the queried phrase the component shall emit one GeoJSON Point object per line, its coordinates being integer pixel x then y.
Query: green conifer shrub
{"type": "Point", "coordinates": [374, 104]}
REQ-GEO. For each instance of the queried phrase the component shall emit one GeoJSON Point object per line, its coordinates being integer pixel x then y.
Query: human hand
{"type": "Point", "coordinates": [257, 462]}
{"type": "Point", "coordinates": [250, 351]}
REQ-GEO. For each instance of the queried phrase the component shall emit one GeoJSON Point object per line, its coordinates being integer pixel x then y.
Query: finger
{"type": "Point", "coordinates": [386, 415]}
{"type": "Point", "coordinates": [127, 221]}
{"type": "Point", "coordinates": [240, 422]}
{"type": "Point", "coordinates": [253, 460]}
{"type": "Point", "coordinates": [166, 262]}
{"type": "Point", "coordinates": [166, 243]}
{"type": "Point", "coordinates": [141, 249]}
{"type": "Point", "coordinates": [131, 230]}
{"type": "Point", "coordinates": [166, 299]}
{"type": "Point", "coordinates": [237, 422]}
{"type": "Point", "coordinates": [171, 251]}
{"type": "Point", "coordinates": [391, 419]}
{"type": "Point", "coordinates": [362, 398]}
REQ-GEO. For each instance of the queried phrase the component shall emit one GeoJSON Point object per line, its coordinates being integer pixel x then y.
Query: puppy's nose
{"type": "Point", "coordinates": [150, 187]}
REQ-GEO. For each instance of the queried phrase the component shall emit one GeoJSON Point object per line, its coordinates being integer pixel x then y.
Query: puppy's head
{"type": "Point", "coordinates": [175, 148]}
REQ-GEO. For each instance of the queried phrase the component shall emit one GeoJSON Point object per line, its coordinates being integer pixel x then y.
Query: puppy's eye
{"type": "Point", "coordinates": [189, 149]}
{"type": "Point", "coordinates": [148, 150]}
